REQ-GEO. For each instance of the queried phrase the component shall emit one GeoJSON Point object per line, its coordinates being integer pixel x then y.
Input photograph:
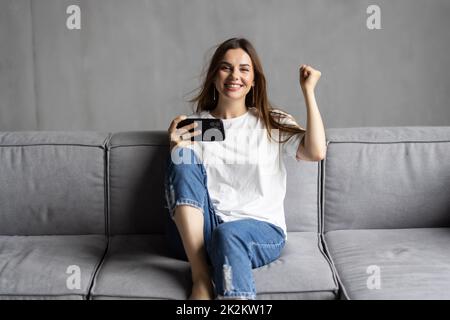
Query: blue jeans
{"type": "Point", "coordinates": [233, 248]}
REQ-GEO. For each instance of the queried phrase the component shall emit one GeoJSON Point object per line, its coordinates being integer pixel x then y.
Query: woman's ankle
{"type": "Point", "coordinates": [202, 289]}
{"type": "Point", "coordinates": [200, 272]}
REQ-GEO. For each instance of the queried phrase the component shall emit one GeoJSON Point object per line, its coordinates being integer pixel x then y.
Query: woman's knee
{"type": "Point", "coordinates": [225, 238]}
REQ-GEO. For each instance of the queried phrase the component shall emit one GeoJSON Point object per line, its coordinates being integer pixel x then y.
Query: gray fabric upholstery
{"type": "Point", "coordinates": [52, 183]}
{"type": "Point", "coordinates": [137, 266]}
{"type": "Point", "coordinates": [388, 134]}
{"type": "Point", "coordinates": [52, 212]}
{"type": "Point", "coordinates": [136, 182]}
{"type": "Point", "coordinates": [385, 203]}
{"type": "Point", "coordinates": [301, 204]}
{"type": "Point", "coordinates": [379, 198]}
{"type": "Point", "coordinates": [27, 138]}
{"type": "Point", "coordinates": [35, 267]}
{"type": "Point", "coordinates": [413, 263]}
{"type": "Point", "coordinates": [387, 178]}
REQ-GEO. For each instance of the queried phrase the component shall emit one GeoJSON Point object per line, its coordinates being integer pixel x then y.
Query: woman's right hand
{"type": "Point", "coordinates": [181, 137]}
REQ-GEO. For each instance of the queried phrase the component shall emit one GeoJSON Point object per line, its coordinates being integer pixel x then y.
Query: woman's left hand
{"type": "Point", "coordinates": [308, 77]}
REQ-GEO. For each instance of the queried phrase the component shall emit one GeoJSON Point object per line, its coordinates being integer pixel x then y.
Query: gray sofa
{"type": "Point", "coordinates": [82, 216]}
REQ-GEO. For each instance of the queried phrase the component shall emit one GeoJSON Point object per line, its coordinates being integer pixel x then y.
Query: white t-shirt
{"type": "Point", "coordinates": [246, 173]}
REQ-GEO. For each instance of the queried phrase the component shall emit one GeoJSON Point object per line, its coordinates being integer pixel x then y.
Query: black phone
{"type": "Point", "coordinates": [212, 129]}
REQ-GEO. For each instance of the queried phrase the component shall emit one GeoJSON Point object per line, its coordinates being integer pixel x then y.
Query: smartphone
{"type": "Point", "coordinates": [212, 129]}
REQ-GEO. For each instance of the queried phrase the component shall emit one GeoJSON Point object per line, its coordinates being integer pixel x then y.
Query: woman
{"type": "Point", "coordinates": [230, 216]}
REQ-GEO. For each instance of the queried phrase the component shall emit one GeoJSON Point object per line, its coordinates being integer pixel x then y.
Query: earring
{"type": "Point", "coordinates": [214, 94]}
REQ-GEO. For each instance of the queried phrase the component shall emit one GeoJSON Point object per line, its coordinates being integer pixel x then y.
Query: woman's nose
{"type": "Point", "coordinates": [234, 75]}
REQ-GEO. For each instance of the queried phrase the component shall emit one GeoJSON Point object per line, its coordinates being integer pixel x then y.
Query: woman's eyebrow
{"type": "Point", "coordinates": [229, 64]}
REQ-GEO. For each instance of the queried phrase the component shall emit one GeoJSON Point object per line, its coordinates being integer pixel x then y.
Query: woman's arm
{"type": "Point", "coordinates": [313, 145]}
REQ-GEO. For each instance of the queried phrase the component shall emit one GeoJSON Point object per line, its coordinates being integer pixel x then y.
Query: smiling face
{"type": "Point", "coordinates": [235, 76]}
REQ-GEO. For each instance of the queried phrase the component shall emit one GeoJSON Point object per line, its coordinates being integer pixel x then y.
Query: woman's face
{"type": "Point", "coordinates": [235, 76]}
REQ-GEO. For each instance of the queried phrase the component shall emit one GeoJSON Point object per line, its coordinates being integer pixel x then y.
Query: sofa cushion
{"type": "Point", "coordinates": [137, 266]}
{"type": "Point", "coordinates": [39, 267]}
{"type": "Point", "coordinates": [136, 182]}
{"type": "Point", "coordinates": [52, 183]}
{"type": "Point", "coordinates": [411, 263]}
{"type": "Point", "coordinates": [301, 203]}
{"type": "Point", "coordinates": [387, 178]}
{"type": "Point", "coordinates": [137, 163]}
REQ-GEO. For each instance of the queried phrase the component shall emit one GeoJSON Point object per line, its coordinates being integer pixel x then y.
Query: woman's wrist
{"type": "Point", "coordinates": [308, 91]}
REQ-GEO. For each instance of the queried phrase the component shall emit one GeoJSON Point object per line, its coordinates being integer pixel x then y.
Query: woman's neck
{"type": "Point", "coordinates": [227, 110]}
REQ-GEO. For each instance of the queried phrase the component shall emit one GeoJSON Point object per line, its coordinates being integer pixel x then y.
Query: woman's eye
{"type": "Point", "coordinates": [245, 70]}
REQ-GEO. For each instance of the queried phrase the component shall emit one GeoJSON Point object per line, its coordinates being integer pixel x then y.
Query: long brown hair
{"type": "Point", "coordinates": [256, 98]}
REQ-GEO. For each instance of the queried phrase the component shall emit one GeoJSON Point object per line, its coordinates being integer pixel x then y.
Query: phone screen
{"type": "Point", "coordinates": [212, 129]}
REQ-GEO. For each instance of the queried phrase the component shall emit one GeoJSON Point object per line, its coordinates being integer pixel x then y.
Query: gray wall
{"type": "Point", "coordinates": [133, 63]}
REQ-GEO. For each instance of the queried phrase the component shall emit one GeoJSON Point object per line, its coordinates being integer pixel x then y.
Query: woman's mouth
{"type": "Point", "coordinates": [233, 86]}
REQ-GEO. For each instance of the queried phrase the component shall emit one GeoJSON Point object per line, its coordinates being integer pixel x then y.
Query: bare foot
{"type": "Point", "coordinates": [202, 289]}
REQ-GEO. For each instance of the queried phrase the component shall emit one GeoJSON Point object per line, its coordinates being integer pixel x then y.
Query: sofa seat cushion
{"type": "Point", "coordinates": [39, 267]}
{"type": "Point", "coordinates": [138, 267]}
{"type": "Point", "coordinates": [410, 263]}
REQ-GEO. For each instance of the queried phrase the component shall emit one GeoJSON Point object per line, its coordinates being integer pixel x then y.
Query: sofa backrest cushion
{"type": "Point", "coordinates": [301, 204]}
{"type": "Point", "coordinates": [387, 177]}
{"type": "Point", "coordinates": [137, 164]}
{"type": "Point", "coordinates": [52, 183]}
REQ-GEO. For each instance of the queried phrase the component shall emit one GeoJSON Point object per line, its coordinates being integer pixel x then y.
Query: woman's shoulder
{"type": "Point", "coordinates": [276, 114]}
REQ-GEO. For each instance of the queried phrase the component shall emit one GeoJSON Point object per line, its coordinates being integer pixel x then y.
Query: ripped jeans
{"type": "Point", "coordinates": [233, 248]}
